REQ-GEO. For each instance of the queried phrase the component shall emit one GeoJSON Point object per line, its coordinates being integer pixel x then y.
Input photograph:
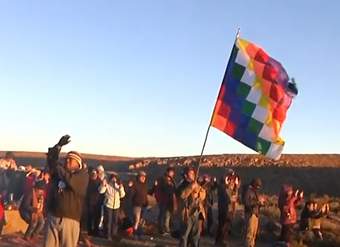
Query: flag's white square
{"type": "Point", "coordinates": [248, 77]}
{"type": "Point", "coordinates": [260, 114]}
{"type": "Point", "coordinates": [242, 59]}
{"type": "Point", "coordinates": [267, 133]}
{"type": "Point", "coordinates": [254, 96]}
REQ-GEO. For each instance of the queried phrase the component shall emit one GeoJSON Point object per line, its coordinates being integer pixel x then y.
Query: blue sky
{"type": "Point", "coordinates": [140, 78]}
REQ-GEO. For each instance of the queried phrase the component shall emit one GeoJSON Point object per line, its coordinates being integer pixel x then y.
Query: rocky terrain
{"type": "Point", "coordinates": [316, 174]}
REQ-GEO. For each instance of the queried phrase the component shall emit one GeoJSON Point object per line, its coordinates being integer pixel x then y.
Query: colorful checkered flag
{"type": "Point", "coordinates": [254, 98]}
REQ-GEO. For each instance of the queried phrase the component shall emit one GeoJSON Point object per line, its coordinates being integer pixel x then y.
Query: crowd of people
{"type": "Point", "coordinates": [59, 197]}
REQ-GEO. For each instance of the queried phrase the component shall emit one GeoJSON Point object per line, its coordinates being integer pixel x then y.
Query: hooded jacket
{"type": "Point", "coordinates": [287, 205]}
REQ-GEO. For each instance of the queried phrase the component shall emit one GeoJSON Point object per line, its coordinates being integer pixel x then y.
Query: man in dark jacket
{"type": "Point", "coordinates": [252, 204]}
{"type": "Point", "coordinates": [66, 196]}
{"type": "Point", "coordinates": [165, 192]}
{"type": "Point", "coordinates": [139, 198]}
{"type": "Point", "coordinates": [93, 203]}
{"type": "Point", "coordinates": [225, 194]}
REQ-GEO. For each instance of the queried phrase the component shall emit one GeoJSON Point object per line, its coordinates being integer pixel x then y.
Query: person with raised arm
{"type": "Point", "coordinates": [69, 181]}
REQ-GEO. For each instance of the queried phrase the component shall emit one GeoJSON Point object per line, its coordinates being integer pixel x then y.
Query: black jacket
{"type": "Point", "coordinates": [68, 201]}
{"type": "Point", "coordinates": [139, 194]}
{"type": "Point", "coordinates": [26, 204]}
{"type": "Point", "coordinates": [93, 197]}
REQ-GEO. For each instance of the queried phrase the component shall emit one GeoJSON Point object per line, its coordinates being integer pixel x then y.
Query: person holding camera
{"type": "Point", "coordinates": [66, 196]}
{"type": "Point", "coordinates": [287, 202]}
{"type": "Point", "coordinates": [114, 192]}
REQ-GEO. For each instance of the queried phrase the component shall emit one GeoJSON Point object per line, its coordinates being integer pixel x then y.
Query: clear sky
{"type": "Point", "coordinates": [140, 78]}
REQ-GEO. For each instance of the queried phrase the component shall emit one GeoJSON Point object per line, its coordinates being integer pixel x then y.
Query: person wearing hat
{"type": "Point", "coordinates": [31, 210]}
{"type": "Point", "coordinates": [139, 194]}
{"type": "Point", "coordinates": [114, 192]}
{"type": "Point", "coordinates": [252, 203]}
{"type": "Point", "coordinates": [69, 181]}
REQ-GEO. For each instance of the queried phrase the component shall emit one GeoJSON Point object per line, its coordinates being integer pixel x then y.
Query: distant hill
{"type": "Point", "coordinates": [220, 160]}
{"type": "Point", "coordinates": [315, 173]}
{"type": "Point", "coordinates": [38, 159]}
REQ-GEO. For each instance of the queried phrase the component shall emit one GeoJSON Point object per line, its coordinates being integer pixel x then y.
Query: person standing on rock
{"type": "Point", "coordinates": [252, 203]}
{"type": "Point", "coordinates": [69, 182]}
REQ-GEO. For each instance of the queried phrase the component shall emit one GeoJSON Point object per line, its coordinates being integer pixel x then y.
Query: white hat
{"type": "Point", "coordinates": [21, 168]}
{"type": "Point", "coordinates": [100, 168]}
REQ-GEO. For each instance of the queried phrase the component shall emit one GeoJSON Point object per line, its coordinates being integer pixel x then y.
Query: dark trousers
{"type": "Point", "coordinates": [35, 226]}
{"type": "Point", "coordinates": [93, 219]}
{"type": "Point", "coordinates": [26, 216]}
{"type": "Point", "coordinates": [287, 232]}
{"type": "Point", "coordinates": [210, 219]}
{"type": "Point", "coordinates": [111, 217]}
{"type": "Point", "coordinates": [191, 234]}
{"type": "Point", "coordinates": [223, 227]}
{"type": "Point", "coordinates": [2, 223]}
{"type": "Point", "coordinates": [164, 218]}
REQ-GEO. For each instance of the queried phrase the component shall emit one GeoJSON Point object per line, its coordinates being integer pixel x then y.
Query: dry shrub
{"type": "Point", "coordinates": [271, 212]}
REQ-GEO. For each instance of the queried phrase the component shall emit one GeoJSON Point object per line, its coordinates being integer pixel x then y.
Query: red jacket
{"type": "Point", "coordinates": [287, 205]}
{"type": "Point", "coordinates": [2, 210]}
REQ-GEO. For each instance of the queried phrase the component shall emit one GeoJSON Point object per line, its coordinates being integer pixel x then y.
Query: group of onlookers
{"type": "Point", "coordinates": [56, 196]}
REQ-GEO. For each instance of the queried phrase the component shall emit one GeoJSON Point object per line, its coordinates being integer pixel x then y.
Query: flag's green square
{"type": "Point", "coordinates": [248, 108]}
{"type": "Point", "coordinates": [255, 126]}
{"type": "Point", "coordinates": [262, 146]}
{"type": "Point", "coordinates": [238, 71]}
{"type": "Point", "coordinates": [243, 90]}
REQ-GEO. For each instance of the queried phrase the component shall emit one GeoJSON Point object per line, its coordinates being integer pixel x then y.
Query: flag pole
{"type": "Point", "coordinates": [211, 118]}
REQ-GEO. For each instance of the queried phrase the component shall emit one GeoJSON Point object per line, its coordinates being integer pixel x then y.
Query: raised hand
{"type": "Point", "coordinates": [64, 140]}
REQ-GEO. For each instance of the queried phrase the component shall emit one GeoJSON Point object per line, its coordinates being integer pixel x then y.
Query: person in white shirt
{"type": "Point", "coordinates": [114, 191]}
